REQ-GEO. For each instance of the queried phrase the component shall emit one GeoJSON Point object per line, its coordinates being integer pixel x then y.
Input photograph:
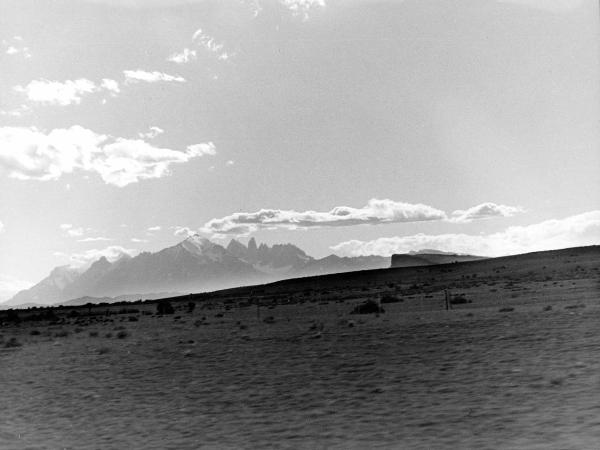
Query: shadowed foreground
{"type": "Point", "coordinates": [473, 377]}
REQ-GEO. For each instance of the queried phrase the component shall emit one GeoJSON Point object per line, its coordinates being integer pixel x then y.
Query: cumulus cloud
{"type": "Point", "coordinates": [578, 230]}
{"type": "Point", "coordinates": [67, 92]}
{"type": "Point", "coordinates": [14, 47]}
{"type": "Point", "coordinates": [30, 154]}
{"type": "Point", "coordinates": [375, 212]}
{"type": "Point", "coordinates": [201, 41]}
{"type": "Point", "coordinates": [111, 253]}
{"type": "Point", "coordinates": [185, 56]}
{"type": "Point", "coordinates": [137, 76]}
{"type": "Point", "coordinates": [151, 133]}
{"type": "Point", "coordinates": [182, 231]}
{"type": "Point", "coordinates": [484, 211]}
{"type": "Point", "coordinates": [303, 8]}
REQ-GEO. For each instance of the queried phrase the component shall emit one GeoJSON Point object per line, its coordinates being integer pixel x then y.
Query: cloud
{"type": "Point", "coordinates": [182, 231]}
{"type": "Point", "coordinates": [30, 154]}
{"type": "Point", "coordinates": [72, 231]}
{"type": "Point", "coordinates": [578, 230]}
{"type": "Point", "coordinates": [67, 92]}
{"type": "Point", "coordinates": [1, 227]}
{"type": "Point", "coordinates": [151, 133]}
{"type": "Point", "coordinates": [374, 213]}
{"type": "Point", "coordinates": [555, 6]}
{"type": "Point", "coordinates": [230, 162]}
{"type": "Point", "coordinates": [10, 285]}
{"type": "Point", "coordinates": [154, 229]}
{"type": "Point", "coordinates": [202, 41]}
{"type": "Point", "coordinates": [185, 56]}
{"type": "Point", "coordinates": [484, 211]}
{"type": "Point", "coordinates": [111, 253]}
{"type": "Point", "coordinates": [202, 149]}
{"type": "Point", "coordinates": [138, 241]}
{"type": "Point", "coordinates": [303, 8]}
{"type": "Point", "coordinates": [136, 76]}
{"type": "Point", "coordinates": [94, 239]}
{"type": "Point", "coordinates": [14, 47]}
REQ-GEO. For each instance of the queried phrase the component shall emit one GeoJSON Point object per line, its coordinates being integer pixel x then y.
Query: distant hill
{"type": "Point", "coordinates": [430, 257]}
{"type": "Point", "coordinates": [193, 265]}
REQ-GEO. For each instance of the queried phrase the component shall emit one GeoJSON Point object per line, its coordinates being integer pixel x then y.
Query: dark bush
{"type": "Point", "coordinates": [390, 299]}
{"type": "Point", "coordinates": [459, 299]}
{"type": "Point", "coordinates": [122, 334]}
{"type": "Point", "coordinates": [368, 307]}
{"type": "Point", "coordinates": [190, 307]}
{"type": "Point", "coordinates": [164, 307]}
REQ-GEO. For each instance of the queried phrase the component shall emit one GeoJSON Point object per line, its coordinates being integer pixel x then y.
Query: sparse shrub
{"type": "Point", "coordinates": [78, 330]}
{"type": "Point", "coordinates": [12, 342]}
{"type": "Point", "coordinates": [35, 332]}
{"type": "Point", "coordinates": [506, 309]}
{"type": "Point", "coordinates": [61, 333]}
{"type": "Point", "coordinates": [119, 327]}
{"type": "Point", "coordinates": [93, 334]}
{"type": "Point", "coordinates": [122, 334]}
{"type": "Point", "coordinates": [368, 307]}
{"type": "Point", "coordinates": [164, 307]}
{"type": "Point", "coordinates": [548, 308]}
{"type": "Point", "coordinates": [108, 335]}
{"type": "Point", "coordinates": [459, 299]}
{"type": "Point", "coordinates": [103, 350]}
{"type": "Point", "coordinates": [390, 299]}
{"type": "Point", "coordinates": [269, 319]}
{"type": "Point", "coordinates": [133, 319]}
{"type": "Point", "coordinates": [190, 307]}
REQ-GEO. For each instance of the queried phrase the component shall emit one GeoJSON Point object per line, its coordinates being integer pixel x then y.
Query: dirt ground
{"type": "Point", "coordinates": [518, 367]}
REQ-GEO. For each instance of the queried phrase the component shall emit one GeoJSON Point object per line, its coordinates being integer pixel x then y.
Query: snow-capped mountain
{"type": "Point", "coordinates": [193, 265]}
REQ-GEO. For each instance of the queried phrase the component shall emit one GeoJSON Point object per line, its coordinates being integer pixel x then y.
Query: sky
{"type": "Point", "coordinates": [342, 126]}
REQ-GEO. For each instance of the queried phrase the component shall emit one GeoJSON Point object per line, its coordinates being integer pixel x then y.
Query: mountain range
{"type": "Point", "coordinates": [193, 265]}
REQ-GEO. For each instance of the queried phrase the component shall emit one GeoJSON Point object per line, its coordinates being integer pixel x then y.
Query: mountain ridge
{"type": "Point", "coordinates": [197, 264]}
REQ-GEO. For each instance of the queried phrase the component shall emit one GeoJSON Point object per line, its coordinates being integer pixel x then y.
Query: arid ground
{"type": "Point", "coordinates": [514, 364]}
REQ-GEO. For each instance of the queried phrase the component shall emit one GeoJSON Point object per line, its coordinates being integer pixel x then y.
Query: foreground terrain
{"type": "Point", "coordinates": [514, 364]}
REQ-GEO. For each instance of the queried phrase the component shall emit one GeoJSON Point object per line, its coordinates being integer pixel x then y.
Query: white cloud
{"type": "Point", "coordinates": [484, 211]}
{"type": "Point", "coordinates": [154, 229]}
{"type": "Point", "coordinates": [65, 226]}
{"type": "Point", "coordinates": [303, 8]}
{"type": "Point", "coordinates": [1, 227]}
{"type": "Point", "coordinates": [111, 253]}
{"type": "Point", "coordinates": [231, 162]}
{"type": "Point", "coordinates": [578, 230]}
{"type": "Point", "coordinates": [110, 85]}
{"type": "Point", "coordinates": [30, 154]}
{"type": "Point", "coordinates": [94, 239]}
{"type": "Point", "coordinates": [19, 111]}
{"type": "Point", "coordinates": [182, 231]}
{"type": "Point", "coordinates": [67, 92]}
{"type": "Point", "coordinates": [151, 133]}
{"type": "Point", "coordinates": [14, 47]}
{"type": "Point", "coordinates": [10, 285]}
{"type": "Point", "coordinates": [138, 241]}
{"type": "Point", "coordinates": [202, 149]}
{"type": "Point", "coordinates": [375, 212]}
{"type": "Point", "coordinates": [204, 41]}
{"type": "Point", "coordinates": [136, 76]}
{"type": "Point", "coordinates": [56, 92]}
{"type": "Point", "coordinates": [185, 56]}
